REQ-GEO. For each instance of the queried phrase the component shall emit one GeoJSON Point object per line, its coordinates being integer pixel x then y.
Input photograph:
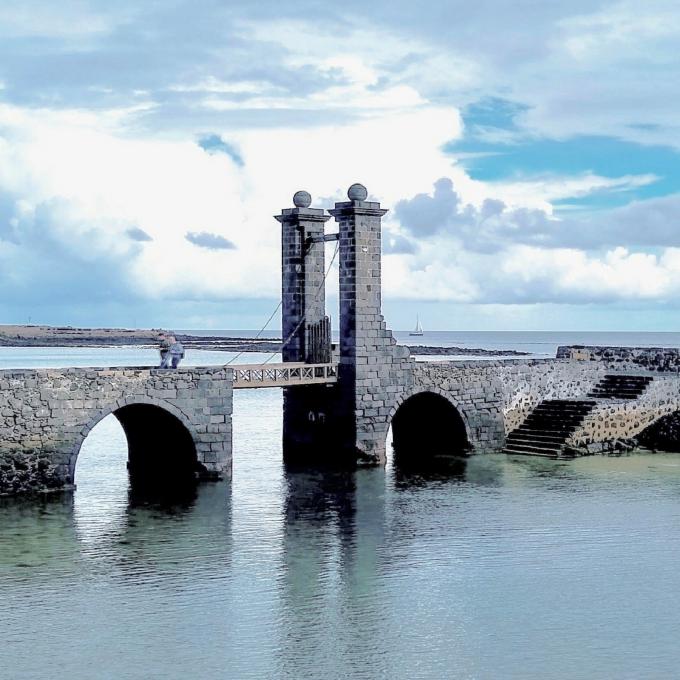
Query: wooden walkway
{"type": "Point", "coordinates": [249, 376]}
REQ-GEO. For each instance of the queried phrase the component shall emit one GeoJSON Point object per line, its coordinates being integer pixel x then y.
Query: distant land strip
{"type": "Point", "coordinates": [68, 336]}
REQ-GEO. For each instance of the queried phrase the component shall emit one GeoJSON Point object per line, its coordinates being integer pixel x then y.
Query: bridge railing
{"type": "Point", "coordinates": [248, 376]}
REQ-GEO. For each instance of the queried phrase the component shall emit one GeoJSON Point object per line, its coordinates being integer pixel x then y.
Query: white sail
{"type": "Point", "coordinates": [418, 330]}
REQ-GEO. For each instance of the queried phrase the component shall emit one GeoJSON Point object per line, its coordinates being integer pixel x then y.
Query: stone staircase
{"type": "Point", "coordinates": [548, 427]}
{"type": "Point", "coordinates": [620, 387]}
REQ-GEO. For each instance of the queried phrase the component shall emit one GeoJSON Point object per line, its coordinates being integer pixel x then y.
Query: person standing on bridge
{"type": "Point", "coordinates": [176, 351]}
{"type": "Point", "coordinates": [164, 347]}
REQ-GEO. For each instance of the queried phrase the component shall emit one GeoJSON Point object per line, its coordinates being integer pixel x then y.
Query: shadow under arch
{"type": "Point", "coordinates": [428, 430]}
{"type": "Point", "coordinates": [663, 434]}
{"type": "Point", "coordinates": [160, 438]}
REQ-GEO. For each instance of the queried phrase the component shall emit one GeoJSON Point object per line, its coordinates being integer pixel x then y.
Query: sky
{"type": "Point", "coordinates": [528, 153]}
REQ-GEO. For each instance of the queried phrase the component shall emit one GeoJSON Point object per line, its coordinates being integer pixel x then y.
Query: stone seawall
{"type": "Point", "coordinates": [656, 359]}
{"type": "Point", "coordinates": [46, 414]}
{"type": "Point", "coordinates": [494, 397]}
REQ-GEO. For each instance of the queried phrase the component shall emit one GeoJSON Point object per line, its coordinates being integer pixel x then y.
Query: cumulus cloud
{"type": "Point", "coordinates": [210, 241]}
{"type": "Point", "coordinates": [489, 227]}
{"type": "Point", "coordinates": [396, 244]}
{"type": "Point", "coordinates": [103, 164]}
{"type": "Point", "coordinates": [54, 254]}
{"type": "Point", "coordinates": [493, 225]}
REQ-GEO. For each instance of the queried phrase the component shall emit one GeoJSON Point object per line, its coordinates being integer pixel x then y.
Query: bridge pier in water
{"type": "Point", "coordinates": [347, 421]}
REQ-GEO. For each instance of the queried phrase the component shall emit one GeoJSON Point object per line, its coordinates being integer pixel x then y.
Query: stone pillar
{"type": "Point", "coordinates": [302, 266]}
{"type": "Point", "coordinates": [370, 364]}
{"type": "Point", "coordinates": [305, 409]}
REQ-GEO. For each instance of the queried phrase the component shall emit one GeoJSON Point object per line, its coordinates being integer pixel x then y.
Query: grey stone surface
{"type": "Point", "coordinates": [657, 359]}
{"type": "Point", "coordinates": [45, 416]}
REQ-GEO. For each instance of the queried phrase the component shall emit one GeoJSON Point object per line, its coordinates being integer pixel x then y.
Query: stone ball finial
{"type": "Point", "coordinates": [357, 192]}
{"type": "Point", "coordinates": [302, 199]}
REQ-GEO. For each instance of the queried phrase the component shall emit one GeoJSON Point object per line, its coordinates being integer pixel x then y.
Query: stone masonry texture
{"type": "Point", "coordinates": [375, 376]}
{"type": "Point", "coordinates": [45, 416]}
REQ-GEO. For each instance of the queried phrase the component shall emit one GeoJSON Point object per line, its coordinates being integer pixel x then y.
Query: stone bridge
{"type": "Point", "coordinates": [177, 423]}
{"type": "Point", "coordinates": [340, 401]}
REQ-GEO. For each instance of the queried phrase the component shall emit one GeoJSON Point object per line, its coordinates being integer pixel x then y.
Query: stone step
{"type": "Point", "coordinates": [626, 376]}
{"type": "Point", "coordinates": [552, 428]}
{"type": "Point", "coordinates": [548, 410]}
{"type": "Point", "coordinates": [599, 393]}
{"type": "Point", "coordinates": [557, 420]}
{"type": "Point", "coordinates": [556, 435]}
{"type": "Point", "coordinates": [546, 429]}
{"type": "Point", "coordinates": [534, 443]}
{"type": "Point", "coordinates": [533, 451]}
{"type": "Point", "coordinates": [564, 408]}
{"type": "Point", "coordinates": [544, 413]}
{"type": "Point", "coordinates": [537, 434]}
{"type": "Point", "coordinates": [620, 386]}
{"type": "Point", "coordinates": [568, 402]}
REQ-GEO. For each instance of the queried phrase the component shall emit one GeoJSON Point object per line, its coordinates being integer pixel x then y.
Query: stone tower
{"type": "Point", "coordinates": [302, 267]}
{"type": "Point", "coordinates": [371, 365]}
{"type": "Point", "coordinates": [347, 421]}
{"type": "Point", "coordinates": [303, 298]}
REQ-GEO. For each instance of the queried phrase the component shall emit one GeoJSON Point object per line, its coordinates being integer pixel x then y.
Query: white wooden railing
{"type": "Point", "coordinates": [283, 375]}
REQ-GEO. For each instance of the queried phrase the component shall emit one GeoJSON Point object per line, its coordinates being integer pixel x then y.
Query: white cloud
{"type": "Point", "coordinates": [113, 181]}
{"type": "Point", "coordinates": [341, 101]}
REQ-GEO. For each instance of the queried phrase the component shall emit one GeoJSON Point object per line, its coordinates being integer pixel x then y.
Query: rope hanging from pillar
{"type": "Point", "coordinates": [302, 320]}
{"type": "Point", "coordinates": [321, 287]}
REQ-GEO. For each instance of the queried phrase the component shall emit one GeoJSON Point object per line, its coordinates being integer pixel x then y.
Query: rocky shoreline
{"type": "Point", "coordinates": [67, 336]}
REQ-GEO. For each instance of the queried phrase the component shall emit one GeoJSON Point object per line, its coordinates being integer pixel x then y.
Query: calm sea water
{"type": "Point", "coordinates": [538, 343]}
{"type": "Point", "coordinates": [499, 568]}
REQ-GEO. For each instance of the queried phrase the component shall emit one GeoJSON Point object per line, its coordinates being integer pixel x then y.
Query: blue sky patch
{"type": "Point", "coordinates": [495, 148]}
{"type": "Point", "coordinates": [213, 144]}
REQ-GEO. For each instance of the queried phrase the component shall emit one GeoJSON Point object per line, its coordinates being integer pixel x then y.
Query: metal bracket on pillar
{"type": "Point", "coordinates": [326, 238]}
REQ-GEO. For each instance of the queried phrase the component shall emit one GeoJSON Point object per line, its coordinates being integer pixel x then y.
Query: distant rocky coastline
{"type": "Point", "coordinates": [68, 336]}
{"type": "Point", "coordinates": [467, 351]}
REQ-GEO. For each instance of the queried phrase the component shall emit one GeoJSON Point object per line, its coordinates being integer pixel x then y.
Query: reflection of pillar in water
{"type": "Point", "coordinates": [334, 538]}
{"type": "Point", "coordinates": [365, 564]}
{"type": "Point", "coordinates": [319, 517]}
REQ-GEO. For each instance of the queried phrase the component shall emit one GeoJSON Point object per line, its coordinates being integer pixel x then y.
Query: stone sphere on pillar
{"type": "Point", "coordinates": [357, 192]}
{"type": "Point", "coordinates": [302, 199]}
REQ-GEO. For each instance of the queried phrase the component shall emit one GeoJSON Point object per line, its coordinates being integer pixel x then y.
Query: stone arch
{"type": "Point", "coordinates": [130, 412]}
{"type": "Point", "coordinates": [462, 411]}
{"type": "Point", "coordinates": [428, 420]}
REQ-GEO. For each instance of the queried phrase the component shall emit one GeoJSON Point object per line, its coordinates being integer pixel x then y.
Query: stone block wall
{"type": "Point", "coordinates": [657, 359]}
{"type": "Point", "coordinates": [45, 416]}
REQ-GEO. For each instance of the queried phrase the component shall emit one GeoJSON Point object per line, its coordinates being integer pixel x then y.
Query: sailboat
{"type": "Point", "coordinates": [418, 330]}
